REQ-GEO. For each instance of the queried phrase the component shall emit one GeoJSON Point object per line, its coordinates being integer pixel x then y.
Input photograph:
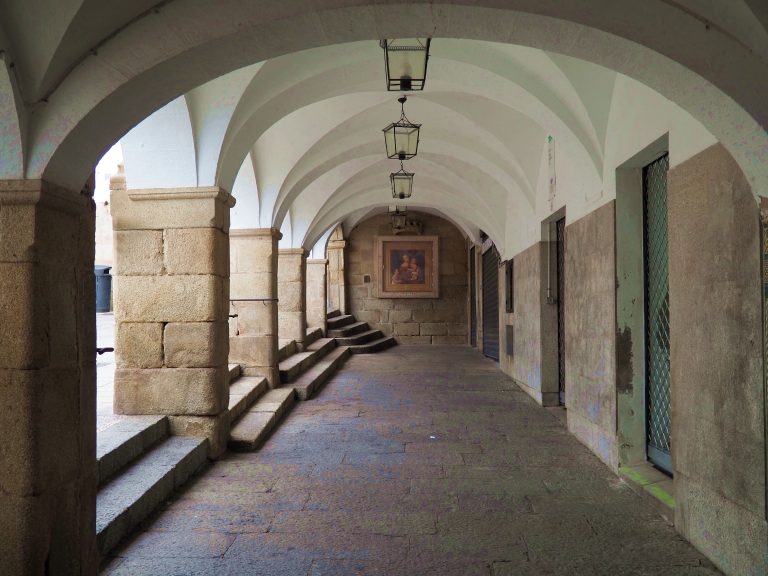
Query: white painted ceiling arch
{"type": "Point", "coordinates": [468, 230]}
{"type": "Point", "coordinates": [436, 175]}
{"type": "Point", "coordinates": [87, 82]}
{"type": "Point", "coordinates": [482, 126]}
{"type": "Point", "coordinates": [246, 210]}
{"type": "Point", "coordinates": [11, 128]}
{"type": "Point", "coordinates": [329, 176]}
{"type": "Point", "coordinates": [263, 105]}
{"type": "Point", "coordinates": [160, 152]}
{"type": "Point", "coordinates": [445, 202]}
{"type": "Point", "coordinates": [447, 137]}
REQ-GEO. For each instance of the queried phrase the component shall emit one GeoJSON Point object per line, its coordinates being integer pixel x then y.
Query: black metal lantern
{"type": "Point", "coordinates": [402, 183]}
{"type": "Point", "coordinates": [399, 217]}
{"type": "Point", "coordinates": [402, 137]}
{"type": "Point", "coordinates": [406, 61]}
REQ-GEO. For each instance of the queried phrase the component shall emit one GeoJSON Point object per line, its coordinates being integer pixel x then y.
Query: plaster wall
{"type": "Point", "coordinates": [590, 327]}
{"type": "Point", "coordinates": [637, 117]}
{"type": "Point", "coordinates": [442, 320]}
{"type": "Point", "coordinates": [718, 402]}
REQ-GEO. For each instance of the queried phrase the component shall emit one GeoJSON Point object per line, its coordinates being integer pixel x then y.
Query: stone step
{"type": "Point", "coordinates": [255, 425]}
{"type": "Point", "coordinates": [244, 392]}
{"type": "Point", "coordinates": [131, 496]}
{"type": "Point", "coordinates": [374, 346]}
{"type": "Point", "coordinates": [287, 348]}
{"type": "Point", "coordinates": [348, 330]}
{"type": "Point", "coordinates": [293, 367]}
{"type": "Point", "coordinates": [123, 442]}
{"type": "Point", "coordinates": [362, 338]}
{"type": "Point", "coordinates": [333, 314]}
{"type": "Point", "coordinates": [316, 376]}
{"type": "Point", "coordinates": [234, 372]}
{"type": "Point", "coordinates": [340, 321]}
{"type": "Point", "coordinates": [313, 334]}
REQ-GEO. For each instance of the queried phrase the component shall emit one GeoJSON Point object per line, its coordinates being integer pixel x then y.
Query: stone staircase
{"type": "Point", "coordinates": [358, 336]}
{"type": "Point", "coordinates": [140, 464]}
{"type": "Point", "coordinates": [255, 410]}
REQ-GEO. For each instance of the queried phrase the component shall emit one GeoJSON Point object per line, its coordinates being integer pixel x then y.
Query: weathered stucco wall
{"type": "Point", "coordinates": [590, 328]}
{"type": "Point", "coordinates": [442, 320]}
{"type": "Point", "coordinates": [718, 408]}
{"type": "Point", "coordinates": [533, 363]}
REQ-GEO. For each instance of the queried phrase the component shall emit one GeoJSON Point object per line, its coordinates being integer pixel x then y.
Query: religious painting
{"type": "Point", "coordinates": [408, 266]}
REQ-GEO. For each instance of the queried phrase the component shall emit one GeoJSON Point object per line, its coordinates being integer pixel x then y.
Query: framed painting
{"type": "Point", "coordinates": [408, 266]}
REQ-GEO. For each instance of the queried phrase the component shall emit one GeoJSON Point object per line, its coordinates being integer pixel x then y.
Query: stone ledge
{"type": "Point", "coordinates": [653, 486]}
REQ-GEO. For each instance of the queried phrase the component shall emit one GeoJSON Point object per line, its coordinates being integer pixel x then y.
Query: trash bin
{"type": "Point", "coordinates": [103, 288]}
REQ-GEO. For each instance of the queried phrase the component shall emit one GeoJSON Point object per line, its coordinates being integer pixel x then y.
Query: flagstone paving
{"type": "Point", "coordinates": [417, 461]}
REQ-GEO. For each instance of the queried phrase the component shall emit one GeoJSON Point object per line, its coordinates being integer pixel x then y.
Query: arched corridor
{"type": "Point", "coordinates": [420, 460]}
{"type": "Point", "coordinates": [580, 197]}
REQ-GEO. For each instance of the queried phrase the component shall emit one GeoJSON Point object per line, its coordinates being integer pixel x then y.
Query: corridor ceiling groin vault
{"type": "Point", "coordinates": [101, 69]}
{"type": "Point", "coordinates": [298, 139]}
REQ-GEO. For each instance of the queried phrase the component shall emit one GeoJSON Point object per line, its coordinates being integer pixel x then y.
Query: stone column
{"type": "Point", "coordinates": [171, 302]}
{"type": "Point", "coordinates": [317, 301]}
{"type": "Point", "coordinates": [253, 336]}
{"type": "Point", "coordinates": [47, 380]}
{"type": "Point", "coordinates": [337, 294]}
{"type": "Point", "coordinates": [291, 294]}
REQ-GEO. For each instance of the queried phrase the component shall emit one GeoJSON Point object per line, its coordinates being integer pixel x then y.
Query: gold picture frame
{"type": "Point", "coordinates": [408, 266]}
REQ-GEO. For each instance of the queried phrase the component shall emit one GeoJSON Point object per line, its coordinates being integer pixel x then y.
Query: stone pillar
{"type": "Point", "coordinates": [291, 294]}
{"type": "Point", "coordinates": [171, 303]}
{"type": "Point", "coordinates": [317, 301]}
{"type": "Point", "coordinates": [47, 380]}
{"type": "Point", "coordinates": [253, 336]}
{"type": "Point", "coordinates": [337, 294]}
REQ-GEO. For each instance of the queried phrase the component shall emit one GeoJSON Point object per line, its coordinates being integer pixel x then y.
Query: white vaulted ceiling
{"type": "Point", "coordinates": [283, 102]}
{"type": "Point", "coordinates": [300, 136]}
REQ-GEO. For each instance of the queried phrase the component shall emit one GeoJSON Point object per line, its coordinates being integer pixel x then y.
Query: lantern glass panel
{"type": "Point", "coordinates": [402, 140]}
{"type": "Point", "coordinates": [398, 218]}
{"type": "Point", "coordinates": [402, 185]}
{"type": "Point", "coordinates": [406, 63]}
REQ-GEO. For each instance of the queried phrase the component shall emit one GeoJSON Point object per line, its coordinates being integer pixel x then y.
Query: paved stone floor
{"type": "Point", "coordinates": [418, 461]}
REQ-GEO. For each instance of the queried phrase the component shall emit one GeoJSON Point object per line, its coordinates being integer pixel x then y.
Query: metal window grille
{"type": "Point", "coordinates": [657, 313]}
{"type": "Point", "coordinates": [560, 243]}
{"type": "Point", "coordinates": [491, 303]}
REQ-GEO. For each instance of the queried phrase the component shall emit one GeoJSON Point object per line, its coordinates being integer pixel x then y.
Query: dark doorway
{"type": "Point", "coordinates": [657, 367]}
{"type": "Point", "coordinates": [491, 303]}
{"type": "Point", "coordinates": [560, 267]}
{"type": "Point", "coordinates": [472, 298]}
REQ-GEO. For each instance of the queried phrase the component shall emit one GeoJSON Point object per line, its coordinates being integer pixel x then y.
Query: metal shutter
{"type": "Point", "coordinates": [472, 298]}
{"type": "Point", "coordinates": [491, 303]}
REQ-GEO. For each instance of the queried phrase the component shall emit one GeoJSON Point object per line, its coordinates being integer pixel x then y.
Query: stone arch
{"type": "Point", "coordinates": [624, 36]}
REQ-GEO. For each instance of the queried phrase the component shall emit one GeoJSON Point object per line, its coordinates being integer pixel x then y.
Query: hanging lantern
{"type": "Point", "coordinates": [402, 137]}
{"type": "Point", "coordinates": [399, 217]}
{"type": "Point", "coordinates": [406, 61]}
{"type": "Point", "coordinates": [402, 183]}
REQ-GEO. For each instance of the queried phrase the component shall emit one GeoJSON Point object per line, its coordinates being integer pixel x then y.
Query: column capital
{"type": "Point", "coordinates": [199, 193]}
{"type": "Point", "coordinates": [293, 251]}
{"type": "Point", "coordinates": [250, 232]}
{"type": "Point", "coordinates": [336, 244]}
{"type": "Point", "coordinates": [41, 193]}
{"type": "Point", "coordinates": [319, 261]}
{"type": "Point", "coordinates": [165, 208]}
